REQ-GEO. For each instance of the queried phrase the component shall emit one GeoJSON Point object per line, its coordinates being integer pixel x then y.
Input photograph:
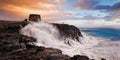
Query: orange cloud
{"type": "Point", "coordinates": [47, 8]}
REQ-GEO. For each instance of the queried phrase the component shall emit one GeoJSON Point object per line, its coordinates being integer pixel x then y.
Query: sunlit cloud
{"type": "Point", "coordinates": [46, 8]}
{"type": "Point", "coordinates": [60, 9]}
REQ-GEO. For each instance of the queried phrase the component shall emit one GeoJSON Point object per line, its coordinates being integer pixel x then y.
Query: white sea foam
{"type": "Point", "coordinates": [95, 48]}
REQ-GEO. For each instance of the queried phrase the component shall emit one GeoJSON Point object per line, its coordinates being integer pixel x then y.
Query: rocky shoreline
{"type": "Point", "coordinates": [14, 46]}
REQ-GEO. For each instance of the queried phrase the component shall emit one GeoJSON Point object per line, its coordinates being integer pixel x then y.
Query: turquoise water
{"type": "Point", "coordinates": [112, 34]}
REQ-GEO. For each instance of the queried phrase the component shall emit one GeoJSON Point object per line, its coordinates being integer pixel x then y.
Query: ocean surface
{"type": "Point", "coordinates": [112, 34]}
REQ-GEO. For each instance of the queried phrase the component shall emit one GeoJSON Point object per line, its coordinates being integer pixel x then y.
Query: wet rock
{"type": "Point", "coordinates": [103, 59]}
{"type": "Point", "coordinates": [70, 31]}
{"type": "Point", "coordinates": [12, 26]}
{"type": "Point", "coordinates": [78, 57]}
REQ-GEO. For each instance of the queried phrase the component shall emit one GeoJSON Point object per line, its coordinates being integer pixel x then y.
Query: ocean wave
{"type": "Point", "coordinates": [94, 47]}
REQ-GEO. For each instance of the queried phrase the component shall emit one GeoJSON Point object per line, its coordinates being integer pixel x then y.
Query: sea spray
{"type": "Point", "coordinates": [49, 36]}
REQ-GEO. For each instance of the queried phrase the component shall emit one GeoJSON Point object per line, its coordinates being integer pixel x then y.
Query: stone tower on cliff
{"type": "Point", "coordinates": [34, 17]}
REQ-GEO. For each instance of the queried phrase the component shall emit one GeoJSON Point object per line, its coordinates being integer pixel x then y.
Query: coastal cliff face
{"type": "Point", "coordinates": [69, 31]}
{"type": "Point", "coordinates": [15, 46]}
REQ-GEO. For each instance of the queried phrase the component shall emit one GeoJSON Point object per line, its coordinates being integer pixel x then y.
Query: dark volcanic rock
{"type": "Point", "coordinates": [78, 57]}
{"type": "Point", "coordinates": [103, 59]}
{"type": "Point", "coordinates": [10, 26]}
{"type": "Point", "coordinates": [68, 31]}
{"type": "Point", "coordinates": [10, 39]}
{"type": "Point", "coordinates": [14, 46]}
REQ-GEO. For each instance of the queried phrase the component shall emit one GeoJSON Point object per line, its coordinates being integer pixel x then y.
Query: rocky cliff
{"type": "Point", "coordinates": [69, 31]}
{"type": "Point", "coordinates": [14, 46]}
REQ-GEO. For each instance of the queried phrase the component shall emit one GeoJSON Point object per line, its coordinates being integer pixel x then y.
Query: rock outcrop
{"type": "Point", "coordinates": [69, 31]}
{"type": "Point", "coordinates": [11, 26]}
{"type": "Point", "coordinates": [78, 57]}
{"type": "Point", "coordinates": [14, 46]}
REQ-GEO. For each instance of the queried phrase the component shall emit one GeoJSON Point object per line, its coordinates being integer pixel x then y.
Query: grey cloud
{"type": "Point", "coordinates": [99, 7]}
{"type": "Point", "coordinates": [108, 8]}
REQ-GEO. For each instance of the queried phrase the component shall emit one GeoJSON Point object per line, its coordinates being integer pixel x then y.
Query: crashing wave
{"type": "Point", "coordinates": [70, 41]}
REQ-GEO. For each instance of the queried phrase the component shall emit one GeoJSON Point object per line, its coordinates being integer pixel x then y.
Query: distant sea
{"type": "Point", "coordinates": [112, 34]}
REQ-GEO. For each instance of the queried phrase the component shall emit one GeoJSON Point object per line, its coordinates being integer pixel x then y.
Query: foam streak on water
{"type": "Point", "coordinates": [95, 48]}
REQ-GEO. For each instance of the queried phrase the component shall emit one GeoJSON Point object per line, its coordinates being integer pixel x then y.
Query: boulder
{"type": "Point", "coordinates": [78, 57]}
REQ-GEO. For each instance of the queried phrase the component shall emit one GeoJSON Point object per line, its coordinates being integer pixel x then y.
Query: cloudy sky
{"type": "Point", "coordinates": [85, 11]}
